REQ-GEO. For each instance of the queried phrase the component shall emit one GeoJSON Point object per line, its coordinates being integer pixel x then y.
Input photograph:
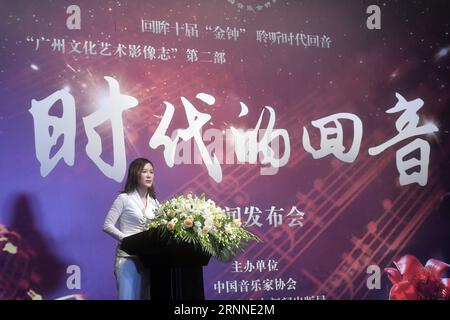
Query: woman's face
{"type": "Point", "coordinates": [146, 176]}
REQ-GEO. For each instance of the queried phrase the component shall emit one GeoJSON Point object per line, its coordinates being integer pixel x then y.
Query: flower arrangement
{"type": "Point", "coordinates": [199, 221]}
{"type": "Point", "coordinates": [413, 281]}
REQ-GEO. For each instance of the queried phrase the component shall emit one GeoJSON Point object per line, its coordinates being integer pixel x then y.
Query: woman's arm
{"type": "Point", "coordinates": [109, 226]}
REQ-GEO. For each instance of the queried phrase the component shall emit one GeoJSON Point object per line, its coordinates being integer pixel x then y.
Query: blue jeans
{"type": "Point", "coordinates": [132, 279]}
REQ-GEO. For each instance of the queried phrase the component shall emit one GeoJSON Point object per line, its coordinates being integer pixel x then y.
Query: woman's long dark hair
{"type": "Point", "coordinates": [134, 170]}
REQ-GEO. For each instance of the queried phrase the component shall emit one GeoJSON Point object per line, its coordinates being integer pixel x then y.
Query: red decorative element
{"type": "Point", "coordinates": [413, 281]}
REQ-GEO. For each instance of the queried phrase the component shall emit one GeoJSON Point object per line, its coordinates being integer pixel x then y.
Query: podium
{"type": "Point", "coordinates": [176, 270]}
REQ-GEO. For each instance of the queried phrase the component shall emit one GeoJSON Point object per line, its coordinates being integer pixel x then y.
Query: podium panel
{"type": "Point", "coordinates": [175, 270]}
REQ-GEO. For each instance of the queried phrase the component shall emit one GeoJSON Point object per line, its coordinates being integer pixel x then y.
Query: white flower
{"type": "Point", "coordinates": [207, 215]}
{"type": "Point", "coordinates": [198, 224]}
{"type": "Point", "coordinates": [209, 222]}
{"type": "Point", "coordinates": [228, 229]}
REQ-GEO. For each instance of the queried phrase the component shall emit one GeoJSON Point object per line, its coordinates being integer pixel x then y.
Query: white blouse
{"type": "Point", "coordinates": [129, 211]}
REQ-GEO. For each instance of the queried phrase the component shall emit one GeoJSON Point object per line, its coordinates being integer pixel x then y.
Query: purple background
{"type": "Point", "coordinates": [59, 217]}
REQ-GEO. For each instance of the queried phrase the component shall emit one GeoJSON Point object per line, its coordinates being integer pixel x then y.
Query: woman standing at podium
{"type": "Point", "coordinates": [130, 209]}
